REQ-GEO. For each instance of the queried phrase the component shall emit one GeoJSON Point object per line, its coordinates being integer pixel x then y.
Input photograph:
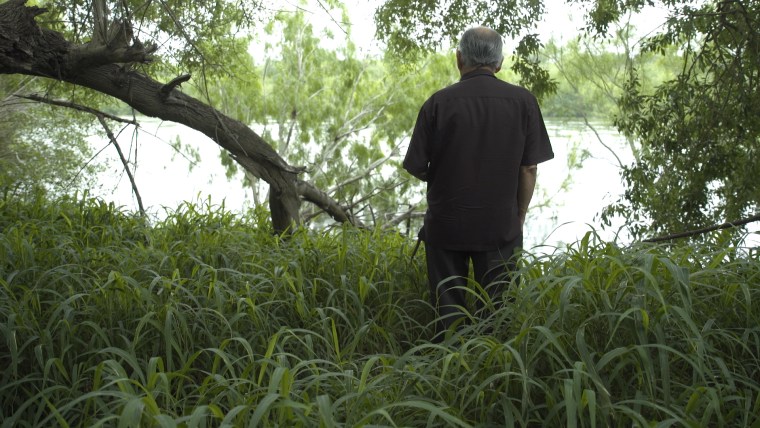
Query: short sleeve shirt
{"type": "Point", "coordinates": [469, 142]}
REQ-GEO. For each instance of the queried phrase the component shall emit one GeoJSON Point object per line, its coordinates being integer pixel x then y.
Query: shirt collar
{"type": "Point", "coordinates": [478, 72]}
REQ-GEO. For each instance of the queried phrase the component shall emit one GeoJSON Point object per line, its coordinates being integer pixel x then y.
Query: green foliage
{"type": "Point", "coordinates": [587, 79]}
{"type": "Point", "coordinates": [600, 15]}
{"type": "Point", "coordinates": [411, 26]}
{"type": "Point", "coordinates": [199, 38]}
{"type": "Point", "coordinates": [193, 36]}
{"type": "Point", "coordinates": [340, 115]}
{"type": "Point", "coordinates": [41, 146]}
{"type": "Point", "coordinates": [592, 74]}
{"type": "Point", "coordinates": [694, 136]}
{"type": "Point", "coordinates": [699, 132]}
{"type": "Point", "coordinates": [209, 319]}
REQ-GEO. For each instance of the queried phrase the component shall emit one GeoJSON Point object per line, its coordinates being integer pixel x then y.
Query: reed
{"type": "Point", "coordinates": [208, 319]}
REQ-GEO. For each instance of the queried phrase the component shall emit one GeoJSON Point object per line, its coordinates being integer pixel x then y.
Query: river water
{"type": "Point", "coordinates": [562, 214]}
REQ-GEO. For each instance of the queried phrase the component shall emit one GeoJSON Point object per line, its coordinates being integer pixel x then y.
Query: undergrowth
{"type": "Point", "coordinates": [206, 318]}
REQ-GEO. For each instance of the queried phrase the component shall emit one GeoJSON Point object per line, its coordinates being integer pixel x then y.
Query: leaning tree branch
{"type": "Point", "coordinates": [691, 233]}
{"type": "Point", "coordinates": [327, 204]}
{"type": "Point", "coordinates": [27, 49]}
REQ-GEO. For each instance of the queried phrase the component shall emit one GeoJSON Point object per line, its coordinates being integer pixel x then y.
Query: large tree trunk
{"type": "Point", "coordinates": [25, 48]}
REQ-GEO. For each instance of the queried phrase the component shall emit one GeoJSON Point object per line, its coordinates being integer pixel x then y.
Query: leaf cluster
{"type": "Point", "coordinates": [698, 132]}
{"type": "Point", "coordinates": [339, 114]}
{"type": "Point", "coordinates": [592, 74]}
{"type": "Point", "coordinates": [411, 26]}
{"type": "Point", "coordinates": [41, 146]}
{"type": "Point", "coordinates": [192, 35]}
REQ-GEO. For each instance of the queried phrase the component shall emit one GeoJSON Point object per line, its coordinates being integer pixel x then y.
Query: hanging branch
{"type": "Point", "coordinates": [599, 138]}
{"type": "Point", "coordinates": [332, 18]}
{"type": "Point", "coordinates": [102, 118]}
{"type": "Point", "coordinates": [124, 162]}
{"type": "Point", "coordinates": [690, 233]}
{"type": "Point", "coordinates": [78, 107]}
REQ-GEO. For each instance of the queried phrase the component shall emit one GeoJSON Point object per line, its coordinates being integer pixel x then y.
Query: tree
{"type": "Point", "coordinates": [340, 115]}
{"type": "Point", "coordinates": [413, 26]}
{"type": "Point", "coordinates": [592, 74]}
{"type": "Point", "coordinates": [698, 133]}
{"type": "Point", "coordinates": [110, 63]}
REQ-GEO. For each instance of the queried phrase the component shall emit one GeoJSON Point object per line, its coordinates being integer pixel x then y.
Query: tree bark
{"type": "Point", "coordinates": [25, 48]}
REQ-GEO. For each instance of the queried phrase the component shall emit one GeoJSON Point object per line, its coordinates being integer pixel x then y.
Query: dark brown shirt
{"type": "Point", "coordinates": [469, 142]}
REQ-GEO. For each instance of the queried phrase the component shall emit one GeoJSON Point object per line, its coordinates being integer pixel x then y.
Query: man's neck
{"type": "Point", "coordinates": [466, 70]}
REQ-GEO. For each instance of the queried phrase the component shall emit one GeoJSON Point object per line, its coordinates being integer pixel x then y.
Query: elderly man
{"type": "Point", "coordinates": [477, 144]}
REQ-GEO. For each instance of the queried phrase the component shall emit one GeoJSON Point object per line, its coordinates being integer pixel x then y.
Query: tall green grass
{"type": "Point", "coordinates": [208, 319]}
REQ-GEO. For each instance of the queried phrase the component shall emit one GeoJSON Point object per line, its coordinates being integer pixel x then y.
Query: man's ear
{"type": "Point", "coordinates": [460, 63]}
{"type": "Point", "coordinates": [498, 67]}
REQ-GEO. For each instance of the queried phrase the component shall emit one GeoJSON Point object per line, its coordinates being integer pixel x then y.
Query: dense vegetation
{"type": "Point", "coordinates": [206, 318]}
{"type": "Point", "coordinates": [209, 319]}
{"type": "Point", "coordinates": [333, 122]}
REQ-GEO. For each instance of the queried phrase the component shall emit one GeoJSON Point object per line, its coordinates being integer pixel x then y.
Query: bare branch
{"type": "Point", "coordinates": [696, 232]}
{"type": "Point", "coordinates": [406, 215]}
{"type": "Point", "coordinates": [366, 171]}
{"type": "Point", "coordinates": [169, 87]}
{"type": "Point", "coordinates": [325, 202]}
{"type": "Point", "coordinates": [331, 17]}
{"type": "Point", "coordinates": [114, 44]}
{"type": "Point", "coordinates": [102, 119]}
{"type": "Point", "coordinates": [377, 191]}
{"type": "Point", "coordinates": [601, 141]}
{"type": "Point", "coordinates": [79, 107]}
{"type": "Point", "coordinates": [124, 162]}
{"type": "Point", "coordinates": [100, 21]}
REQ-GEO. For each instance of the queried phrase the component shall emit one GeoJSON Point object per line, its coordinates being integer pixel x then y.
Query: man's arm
{"type": "Point", "coordinates": [417, 159]}
{"type": "Point", "coordinates": [526, 183]}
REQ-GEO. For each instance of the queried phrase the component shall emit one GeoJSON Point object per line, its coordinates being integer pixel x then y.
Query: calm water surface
{"type": "Point", "coordinates": [567, 201]}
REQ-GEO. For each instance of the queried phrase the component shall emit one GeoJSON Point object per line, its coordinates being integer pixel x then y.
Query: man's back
{"type": "Point", "coordinates": [477, 144]}
{"type": "Point", "coordinates": [475, 135]}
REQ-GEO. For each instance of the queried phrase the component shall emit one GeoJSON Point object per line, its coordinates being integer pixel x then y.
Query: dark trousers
{"type": "Point", "coordinates": [448, 271]}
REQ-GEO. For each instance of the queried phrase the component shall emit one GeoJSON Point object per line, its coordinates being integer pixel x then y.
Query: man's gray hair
{"type": "Point", "coordinates": [481, 46]}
